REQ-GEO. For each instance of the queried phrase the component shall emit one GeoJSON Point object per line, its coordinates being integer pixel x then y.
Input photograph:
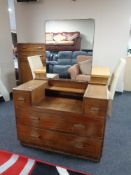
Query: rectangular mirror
{"type": "Point", "coordinates": [69, 48]}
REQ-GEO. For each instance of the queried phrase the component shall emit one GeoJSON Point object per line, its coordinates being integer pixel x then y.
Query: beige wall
{"type": "Point", "coordinates": [86, 28]}
{"type": "Point", "coordinates": [111, 24]}
{"type": "Point", "coordinates": [6, 61]}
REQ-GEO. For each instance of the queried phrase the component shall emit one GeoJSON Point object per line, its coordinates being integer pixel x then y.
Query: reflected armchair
{"type": "Point", "coordinates": [35, 63]}
{"type": "Point", "coordinates": [82, 70]}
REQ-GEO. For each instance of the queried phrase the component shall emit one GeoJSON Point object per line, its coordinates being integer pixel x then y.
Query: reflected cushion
{"type": "Point", "coordinates": [85, 66]}
{"type": "Point", "coordinates": [72, 37]}
{"type": "Point", "coordinates": [59, 37]}
{"type": "Point", "coordinates": [81, 77]}
{"type": "Point", "coordinates": [49, 36]}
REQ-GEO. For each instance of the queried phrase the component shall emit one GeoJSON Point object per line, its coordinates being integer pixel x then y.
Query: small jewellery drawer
{"type": "Point", "coordinates": [21, 98]}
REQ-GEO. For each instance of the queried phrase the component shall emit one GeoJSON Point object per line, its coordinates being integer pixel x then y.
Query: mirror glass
{"type": "Point", "coordinates": [66, 40]}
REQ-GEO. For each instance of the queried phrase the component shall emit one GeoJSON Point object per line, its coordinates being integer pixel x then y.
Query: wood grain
{"type": "Point", "coordinates": [72, 144]}
{"type": "Point", "coordinates": [25, 50]}
{"type": "Point", "coordinates": [63, 124]}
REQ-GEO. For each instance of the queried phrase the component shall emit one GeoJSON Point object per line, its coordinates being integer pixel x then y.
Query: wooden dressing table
{"type": "Point", "coordinates": [63, 116]}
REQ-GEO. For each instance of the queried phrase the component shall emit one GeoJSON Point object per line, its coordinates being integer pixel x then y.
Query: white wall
{"type": "Point", "coordinates": [111, 24]}
{"type": "Point", "coordinates": [6, 61]}
{"type": "Point", "coordinates": [86, 28]}
{"type": "Point", "coordinates": [12, 15]}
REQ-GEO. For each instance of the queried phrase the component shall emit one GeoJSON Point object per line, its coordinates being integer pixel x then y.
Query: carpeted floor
{"type": "Point", "coordinates": [116, 159]}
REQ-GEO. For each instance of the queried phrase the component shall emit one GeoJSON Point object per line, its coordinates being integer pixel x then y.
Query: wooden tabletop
{"type": "Point", "coordinates": [40, 70]}
{"type": "Point", "coordinates": [100, 71]}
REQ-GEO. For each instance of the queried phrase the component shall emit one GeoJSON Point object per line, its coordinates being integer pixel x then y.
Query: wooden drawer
{"type": "Point", "coordinates": [99, 80]}
{"type": "Point", "coordinates": [31, 47]}
{"type": "Point", "coordinates": [23, 55]}
{"type": "Point", "coordinates": [96, 107]}
{"type": "Point", "coordinates": [21, 98]}
{"type": "Point", "coordinates": [81, 146]}
{"type": "Point", "coordinates": [68, 123]}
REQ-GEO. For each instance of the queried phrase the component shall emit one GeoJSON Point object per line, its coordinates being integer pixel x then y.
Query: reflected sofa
{"type": "Point", "coordinates": [60, 62]}
{"type": "Point", "coordinates": [62, 41]}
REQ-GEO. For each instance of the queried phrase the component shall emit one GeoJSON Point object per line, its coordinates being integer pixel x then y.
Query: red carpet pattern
{"type": "Point", "coordinates": [14, 164]}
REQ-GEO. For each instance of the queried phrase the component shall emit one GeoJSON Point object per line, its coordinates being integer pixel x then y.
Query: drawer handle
{"type": "Point", "coordinates": [79, 145]}
{"type": "Point", "coordinates": [79, 126]}
{"type": "Point", "coordinates": [35, 118]}
{"type": "Point", "coordinates": [24, 47]}
{"type": "Point", "coordinates": [95, 109]}
{"type": "Point", "coordinates": [35, 135]}
{"type": "Point", "coordinates": [21, 98]}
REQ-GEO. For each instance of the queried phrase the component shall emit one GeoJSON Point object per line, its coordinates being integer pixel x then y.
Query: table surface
{"type": "Point", "coordinates": [97, 71]}
{"type": "Point", "coordinates": [100, 71]}
{"type": "Point", "coordinates": [40, 70]}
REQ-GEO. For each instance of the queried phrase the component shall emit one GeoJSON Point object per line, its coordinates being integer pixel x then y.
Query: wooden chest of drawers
{"type": "Point", "coordinates": [71, 125]}
{"type": "Point", "coordinates": [25, 50]}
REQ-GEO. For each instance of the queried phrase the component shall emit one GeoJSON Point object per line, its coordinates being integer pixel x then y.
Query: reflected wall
{"type": "Point", "coordinates": [65, 40]}
{"type": "Point", "coordinates": [86, 27]}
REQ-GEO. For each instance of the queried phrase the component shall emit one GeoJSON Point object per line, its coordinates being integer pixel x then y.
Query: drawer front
{"type": "Point", "coordinates": [21, 98]}
{"type": "Point", "coordinates": [48, 139]}
{"type": "Point", "coordinates": [22, 56]}
{"type": "Point", "coordinates": [99, 80]}
{"type": "Point", "coordinates": [31, 47]}
{"type": "Point", "coordinates": [73, 124]}
{"type": "Point", "coordinates": [95, 107]}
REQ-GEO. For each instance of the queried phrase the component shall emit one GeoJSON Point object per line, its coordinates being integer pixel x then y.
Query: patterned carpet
{"type": "Point", "coordinates": [116, 156]}
{"type": "Point", "coordinates": [14, 164]}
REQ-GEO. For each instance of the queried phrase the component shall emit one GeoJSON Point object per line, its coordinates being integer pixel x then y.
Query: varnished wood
{"type": "Point", "coordinates": [67, 89]}
{"type": "Point", "coordinates": [63, 124]}
{"type": "Point", "coordinates": [61, 104]}
{"type": "Point", "coordinates": [31, 92]}
{"type": "Point", "coordinates": [95, 100]}
{"type": "Point", "coordinates": [41, 70]}
{"type": "Point", "coordinates": [25, 50]}
{"type": "Point", "coordinates": [82, 126]}
{"type": "Point", "coordinates": [100, 75]}
{"type": "Point", "coordinates": [100, 71]}
{"type": "Point", "coordinates": [96, 91]}
{"type": "Point", "coordinates": [72, 144]}
{"type": "Point", "coordinates": [68, 84]}
{"type": "Point", "coordinates": [40, 73]}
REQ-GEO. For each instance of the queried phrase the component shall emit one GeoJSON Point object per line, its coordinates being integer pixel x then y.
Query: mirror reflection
{"type": "Point", "coordinates": [69, 48]}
